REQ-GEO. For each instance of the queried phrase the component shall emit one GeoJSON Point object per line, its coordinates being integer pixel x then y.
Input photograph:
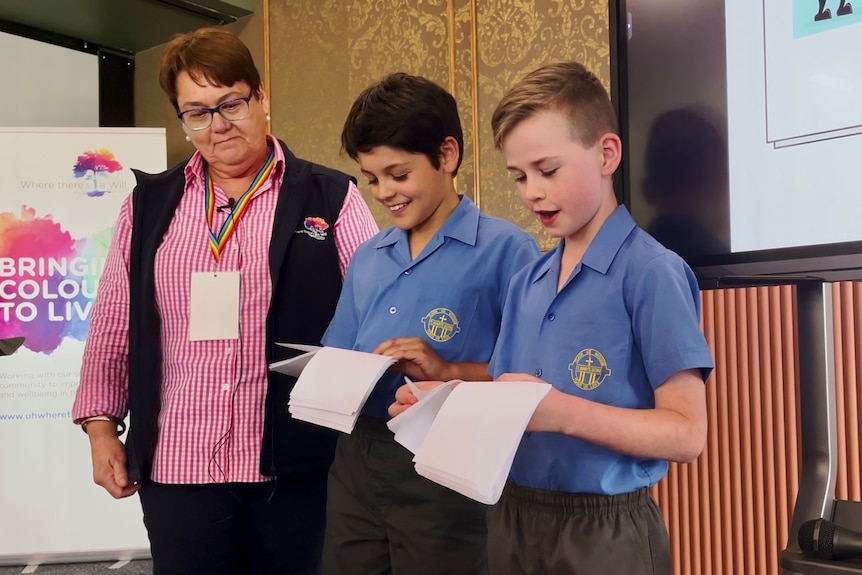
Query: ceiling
{"type": "Point", "coordinates": [123, 25]}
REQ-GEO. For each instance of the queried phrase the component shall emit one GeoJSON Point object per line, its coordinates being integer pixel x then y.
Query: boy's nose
{"type": "Point", "coordinates": [531, 190]}
{"type": "Point", "coordinates": [383, 191]}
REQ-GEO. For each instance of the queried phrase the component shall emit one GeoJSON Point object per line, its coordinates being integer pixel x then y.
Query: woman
{"type": "Point", "coordinates": [212, 263]}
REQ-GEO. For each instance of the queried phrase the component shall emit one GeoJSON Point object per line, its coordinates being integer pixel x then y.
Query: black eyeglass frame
{"type": "Point", "coordinates": [216, 110]}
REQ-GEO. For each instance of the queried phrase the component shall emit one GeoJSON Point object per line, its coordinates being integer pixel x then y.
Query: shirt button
{"type": "Point", "coordinates": [538, 373]}
{"type": "Point", "coordinates": [407, 272]}
{"type": "Point", "coordinates": [392, 310]}
{"type": "Point", "coordinates": [228, 351]}
{"type": "Point", "coordinates": [225, 387]}
{"type": "Point", "coordinates": [552, 316]}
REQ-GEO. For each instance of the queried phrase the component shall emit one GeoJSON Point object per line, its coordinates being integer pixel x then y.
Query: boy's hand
{"type": "Point", "coordinates": [404, 396]}
{"type": "Point", "coordinates": [415, 358]}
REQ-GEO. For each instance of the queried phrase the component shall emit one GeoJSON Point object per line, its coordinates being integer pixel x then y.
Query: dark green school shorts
{"type": "Point", "coordinates": [537, 532]}
{"type": "Point", "coordinates": [382, 517]}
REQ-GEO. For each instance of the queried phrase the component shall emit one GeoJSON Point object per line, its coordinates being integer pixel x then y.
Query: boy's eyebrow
{"type": "Point", "coordinates": [534, 163]}
{"type": "Point", "coordinates": [386, 169]}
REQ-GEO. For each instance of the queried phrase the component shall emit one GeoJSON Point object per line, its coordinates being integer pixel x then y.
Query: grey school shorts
{"type": "Point", "coordinates": [552, 533]}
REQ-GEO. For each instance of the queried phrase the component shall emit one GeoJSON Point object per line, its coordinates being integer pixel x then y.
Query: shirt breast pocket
{"type": "Point", "coordinates": [445, 319]}
{"type": "Point", "coordinates": [596, 361]}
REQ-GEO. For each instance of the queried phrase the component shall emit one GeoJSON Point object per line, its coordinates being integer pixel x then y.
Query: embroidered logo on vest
{"type": "Point", "coordinates": [314, 227]}
{"type": "Point", "coordinates": [441, 324]}
{"type": "Point", "coordinates": [589, 369]}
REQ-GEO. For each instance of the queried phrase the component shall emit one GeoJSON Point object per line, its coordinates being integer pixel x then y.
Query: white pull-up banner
{"type": "Point", "coordinates": [60, 193]}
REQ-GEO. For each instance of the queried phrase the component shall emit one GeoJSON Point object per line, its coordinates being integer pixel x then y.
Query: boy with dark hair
{"type": "Point", "coordinates": [610, 319]}
{"type": "Point", "coordinates": [428, 291]}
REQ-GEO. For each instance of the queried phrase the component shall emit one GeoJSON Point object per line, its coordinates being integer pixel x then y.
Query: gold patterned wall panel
{"type": "Point", "coordinates": [309, 85]}
{"type": "Point", "coordinates": [515, 37]}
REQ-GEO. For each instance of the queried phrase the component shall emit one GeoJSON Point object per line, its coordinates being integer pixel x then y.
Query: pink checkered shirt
{"type": "Point", "coordinates": [211, 421]}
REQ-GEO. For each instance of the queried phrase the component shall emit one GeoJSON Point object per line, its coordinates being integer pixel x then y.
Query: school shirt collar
{"type": "Point", "coordinates": [604, 247]}
{"type": "Point", "coordinates": [462, 225]}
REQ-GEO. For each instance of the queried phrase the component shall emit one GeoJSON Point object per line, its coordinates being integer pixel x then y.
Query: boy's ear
{"type": "Point", "coordinates": [449, 154]}
{"type": "Point", "coordinates": [612, 153]}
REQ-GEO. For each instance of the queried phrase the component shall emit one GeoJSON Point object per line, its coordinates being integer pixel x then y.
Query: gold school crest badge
{"type": "Point", "coordinates": [589, 369]}
{"type": "Point", "coordinates": [441, 324]}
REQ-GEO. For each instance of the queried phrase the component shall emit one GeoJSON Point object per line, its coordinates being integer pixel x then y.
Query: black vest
{"type": "Point", "coordinates": [306, 283]}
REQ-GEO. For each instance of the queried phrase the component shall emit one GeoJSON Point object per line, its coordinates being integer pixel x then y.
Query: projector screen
{"type": "Point", "coordinates": [47, 85]}
{"type": "Point", "coordinates": [742, 128]}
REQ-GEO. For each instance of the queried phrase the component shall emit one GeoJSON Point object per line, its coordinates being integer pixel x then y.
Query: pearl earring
{"type": "Point", "coordinates": [268, 118]}
{"type": "Point", "coordinates": [188, 139]}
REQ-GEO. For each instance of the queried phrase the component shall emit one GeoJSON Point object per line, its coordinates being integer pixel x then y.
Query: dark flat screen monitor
{"type": "Point", "coordinates": [742, 131]}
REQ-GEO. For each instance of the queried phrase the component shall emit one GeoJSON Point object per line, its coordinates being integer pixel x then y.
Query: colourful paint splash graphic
{"type": "Point", "coordinates": [47, 280]}
{"type": "Point", "coordinates": [94, 166]}
{"type": "Point", "coordinates": [315, 224]}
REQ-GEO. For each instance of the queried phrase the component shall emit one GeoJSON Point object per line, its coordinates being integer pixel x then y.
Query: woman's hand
{"type": "Point", "coordinates": [109, 460]}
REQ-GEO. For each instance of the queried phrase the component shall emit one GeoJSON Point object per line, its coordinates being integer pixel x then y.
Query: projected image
{"type": "Point", "coordinates": [824, 13]}
{"type": "Point", "coordinates": [743, 132]}
{"type": "Point", "coordinates": [794, 87]}
{"type": "Point", "coordinates": [812, 64]}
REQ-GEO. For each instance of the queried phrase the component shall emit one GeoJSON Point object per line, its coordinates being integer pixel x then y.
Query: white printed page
{"type": "Point", "coordinates": [813, 54]}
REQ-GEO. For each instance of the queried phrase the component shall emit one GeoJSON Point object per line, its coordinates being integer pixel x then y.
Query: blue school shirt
{"type": "Point", "coordinates": [625, 321]}
{"type": "Point", "coordinates": [451, 295]}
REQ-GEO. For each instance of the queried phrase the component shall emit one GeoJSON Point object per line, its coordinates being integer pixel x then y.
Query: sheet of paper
{"type": "Point", "coordinates": [300, 346]}
{"type": "Point", "coordinates": [339, 380]}
{"type": "Point", "coordinates": [214, 306]}
{"type": "Point", "coordinates": [293, 366]}
{"type": "Point", "coordinates": [419, 393]}
{"type": "Point", "coordinates": [411, 426]}
{"type": "Point", "coordinates": [472, 442]}
{"type": "Point", "coordinates": [330, 419]}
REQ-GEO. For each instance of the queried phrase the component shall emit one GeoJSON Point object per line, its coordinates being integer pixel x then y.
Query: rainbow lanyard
{"type": "Point", "coordinates": [217, 242]}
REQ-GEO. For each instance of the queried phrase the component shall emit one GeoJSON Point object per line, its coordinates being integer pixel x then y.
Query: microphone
{"type": "Point", "coordinates": [228, 206]}
{"type": "Point", "coordinates": [821, 539]}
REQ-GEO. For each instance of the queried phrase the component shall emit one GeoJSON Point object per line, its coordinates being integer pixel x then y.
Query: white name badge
{"type": "Point", "coordinates": [214, 312]}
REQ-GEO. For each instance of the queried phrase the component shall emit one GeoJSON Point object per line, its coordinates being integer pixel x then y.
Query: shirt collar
{"type": "Point", "coordinates": [602, 249]}
{"type": "Point", "coordinates": [462, 225]}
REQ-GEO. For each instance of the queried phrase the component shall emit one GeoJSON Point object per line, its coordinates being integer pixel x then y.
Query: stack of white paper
{"type": "Point", "coordinates": [411, 426]}
{"type": "Point", "coordinates": [466, 438]}
{"type": "Point", "coordinates": [333, 383]}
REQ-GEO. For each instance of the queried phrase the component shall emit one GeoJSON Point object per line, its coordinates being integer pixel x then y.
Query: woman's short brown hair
{"type": "Point", "coordinates": [564, 86]}
{"type": "Point", "coordinates": [211, 54]}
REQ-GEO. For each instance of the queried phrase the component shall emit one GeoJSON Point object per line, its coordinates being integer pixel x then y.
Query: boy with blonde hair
{"type": "Point", "coordinates": [610, 319]}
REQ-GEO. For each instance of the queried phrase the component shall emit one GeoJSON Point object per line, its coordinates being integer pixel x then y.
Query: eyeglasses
{"type": "Point", "coordinates": [202, 118]}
